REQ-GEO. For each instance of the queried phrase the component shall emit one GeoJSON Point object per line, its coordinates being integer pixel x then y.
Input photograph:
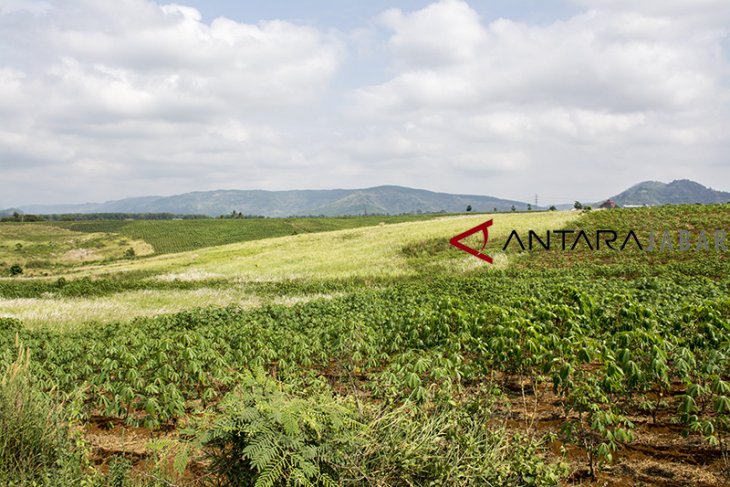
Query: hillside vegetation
{"type": "Point", "coordinates": [381, 356]}
{"type": "Point", "coordinates": [393, 200]}
{"type": "Point", "coordinates": [225, 274]}
{"type": "Point", "coordinates": [681, 191]}
{"type": "Point", "coordinates": [36, 246]}
{"type": "Point", "coordinates": [169, 236]}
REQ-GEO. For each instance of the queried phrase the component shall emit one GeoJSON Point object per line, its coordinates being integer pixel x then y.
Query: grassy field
{"type": "Point", "coordinates": [169, 236]}
{"type": "Point", "coordinates": [38, 247]}
{"type": "Point", "coordinates": [377, 252]}
{"type": "Point", "coordinates": [375, 354]}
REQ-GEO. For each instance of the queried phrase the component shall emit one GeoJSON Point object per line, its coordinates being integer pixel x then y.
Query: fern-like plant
{"type": "Point", "coordinates": [267, 437]}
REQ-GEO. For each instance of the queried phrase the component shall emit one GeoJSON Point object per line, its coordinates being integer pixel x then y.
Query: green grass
{"type": "Point", "coordinates": [671, 218]}
{"type": "Point", "coordinates": [39, 248]}
{"type": "Point", "coordinates": [223, 275]}
{"type": "Point", "coordinates": [228, 274]}
{"type": "Point", "coordinates": [169, 236]}
{"type": "Point", "coordinates": [372, 252]}
{"type": "Point", "coordinates": [439, 348]}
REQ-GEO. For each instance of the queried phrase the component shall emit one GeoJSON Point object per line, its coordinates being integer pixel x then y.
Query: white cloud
{"type": "Point", "coordinates": [103, 100]}
{"type": "Point", "coordinates": [611, 83]}
{"type": "Point", "coordinates": [443, 33]}
{"type": "Point", "coordinates": [106, 90]}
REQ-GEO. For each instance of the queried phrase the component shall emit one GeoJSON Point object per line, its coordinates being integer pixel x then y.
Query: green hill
{"type": "Point", "coordinates": [391, 200]}
{"type": "Point", "coordinates": [680, 191]}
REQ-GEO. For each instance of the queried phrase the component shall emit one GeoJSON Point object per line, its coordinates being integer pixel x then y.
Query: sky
{"type": "Point", "coordinates": [563, 99]}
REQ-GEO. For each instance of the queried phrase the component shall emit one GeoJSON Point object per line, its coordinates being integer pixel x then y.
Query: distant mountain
{"type": "Point", "coordinates": [9, 212]}
{"type": "Point", "coordinates": [680, 191]}
{"type": "Point", "coordinates": [332, 202]}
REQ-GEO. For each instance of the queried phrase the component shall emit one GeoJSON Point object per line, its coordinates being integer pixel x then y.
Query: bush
{"type": "Point", "coordinates": [16, 270]}
{"type": "Point", "coordinates": [38, 264]}
{"type": "Point", "coordinates": [268, 437]}
{"type": "Point", "coordinates": [119, 472]}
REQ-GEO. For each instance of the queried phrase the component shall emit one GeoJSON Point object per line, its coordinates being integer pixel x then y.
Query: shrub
{"type": "Point", "coordinates": [268, 437]}
{"type": "Point", "coordinates": [38, 264]}
{"type": "Point", "coordinates": [119, 470]}
{"type": "Point", "coordinates": [16, 270]}
{"type": "Point", "coordinates": [448, 446]}
{"type": "Point", "coordinates": [37, 446]}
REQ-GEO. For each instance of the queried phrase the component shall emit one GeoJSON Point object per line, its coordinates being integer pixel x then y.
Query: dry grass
{"type": "Point", "coordinates": [42, 249]}
{"type": "Point", "coordinates": [363, 252]}
{"type": "Point", "coordinates": [70, 313]}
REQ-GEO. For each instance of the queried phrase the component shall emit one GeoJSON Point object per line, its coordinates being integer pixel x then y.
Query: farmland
{"type": "Point", "coordinates": [168, 236]}
{"type": "Point", "coordinates": [361, 353]}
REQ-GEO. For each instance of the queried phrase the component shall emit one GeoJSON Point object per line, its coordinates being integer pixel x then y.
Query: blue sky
{"type": "Point", "coordinates": [571, 100]}
{"type": "Point", "coordinates": [352, 14]}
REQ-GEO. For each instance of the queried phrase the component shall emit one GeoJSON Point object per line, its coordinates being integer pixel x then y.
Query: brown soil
{"type": "Point", "coordinates": [659, 456]}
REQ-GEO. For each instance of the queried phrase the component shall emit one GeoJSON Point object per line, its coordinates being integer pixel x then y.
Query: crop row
{"type": "Point", "coordinates": [608, 349]}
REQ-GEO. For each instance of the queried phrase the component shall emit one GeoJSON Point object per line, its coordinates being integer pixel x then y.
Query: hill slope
{"type": "Point", "coordinates": [680, 191]}
{"type": "Point", "coordinates": [331, 202]}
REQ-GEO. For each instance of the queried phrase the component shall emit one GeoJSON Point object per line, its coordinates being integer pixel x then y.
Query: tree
{"type": "Point", "coordinates": [552, 208]}
{"type": "Point", "coordinates": [468, 207]}
{"type": "Point", "coordinates": [495, 209]}
{"type": "Point", "coordinates": [529, 207]}
{"type": "Point", "coordinates": [513, 208]}
{"type": "Point", "coordinates": [578, 205]}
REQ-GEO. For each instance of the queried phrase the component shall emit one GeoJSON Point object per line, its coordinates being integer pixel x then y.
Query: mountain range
{"type": "Point", "coordinates": [377, 200]}
{"type": "Point", "coordinates": [330, 202]}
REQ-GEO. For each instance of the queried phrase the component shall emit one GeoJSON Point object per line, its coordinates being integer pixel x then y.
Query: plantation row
{"type": "Point", "coordinates": [654, 347]}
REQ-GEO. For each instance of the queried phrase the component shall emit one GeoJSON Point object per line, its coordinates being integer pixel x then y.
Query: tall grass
{"type": "Point", "coordinates": [37, 446]}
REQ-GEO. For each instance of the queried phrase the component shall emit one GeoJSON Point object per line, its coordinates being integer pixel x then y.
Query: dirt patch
{"type": "Point", "coordinates": [659, 456]}
{"type": "Point", "coordinates": [80, 255]}
{"type": "Point", "coordinates": [188, 276]}
{"type": "Point", "coordinates": [142, 248]}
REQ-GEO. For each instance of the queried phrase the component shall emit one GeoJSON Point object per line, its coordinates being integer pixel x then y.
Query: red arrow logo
{"type": "Point", "coordinates": [484, 228]}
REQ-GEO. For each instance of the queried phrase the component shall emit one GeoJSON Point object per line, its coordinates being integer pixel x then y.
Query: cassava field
{"type": "Point", "coordinates": [365, 351]}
